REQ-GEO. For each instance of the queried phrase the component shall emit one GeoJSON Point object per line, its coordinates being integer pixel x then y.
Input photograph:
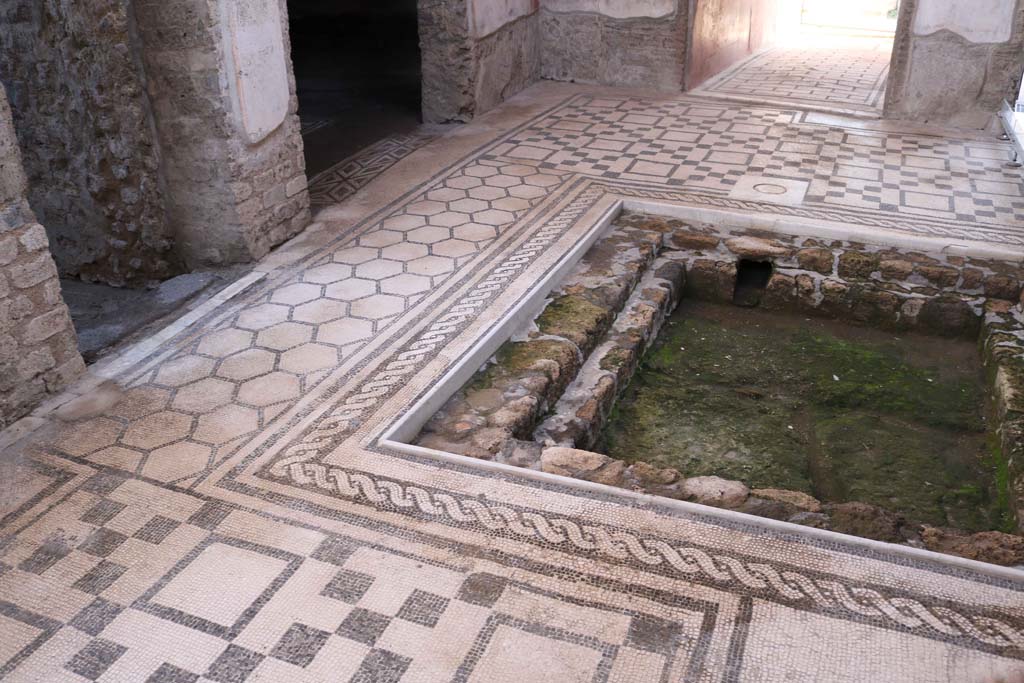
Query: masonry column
{"type": "Point", "coordinates": [38, 348]}
{"type": "Point", "coordinates": [220, 81]}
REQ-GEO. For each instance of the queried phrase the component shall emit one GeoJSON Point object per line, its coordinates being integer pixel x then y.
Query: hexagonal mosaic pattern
{"type": "Point", "coordinates": [184, 534]}
{"type": "Point", "coordinates": [254, 366]}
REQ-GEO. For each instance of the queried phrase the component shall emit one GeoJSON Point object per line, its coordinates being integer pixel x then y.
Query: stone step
{"type": "Point", "coordinates": [504, 401]}
{"type": "Point", "coordinates": [583, 408]}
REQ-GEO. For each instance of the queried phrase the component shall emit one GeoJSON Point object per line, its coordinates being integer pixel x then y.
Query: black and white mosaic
{"type": "Point", "coordinates": [233, 516]}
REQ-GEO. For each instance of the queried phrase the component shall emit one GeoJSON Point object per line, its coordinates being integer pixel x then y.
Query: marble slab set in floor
{"type": "Point", "coordinates": [228, 512]}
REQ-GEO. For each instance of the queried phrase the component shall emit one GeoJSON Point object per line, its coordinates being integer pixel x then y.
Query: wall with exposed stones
{"type": "Point", "coordinates": [955, 62]}
{"type": "Point", "coordinates": [446, 54]}
{"type": "Point", "coordinates": [1003, 353]}
{"type": "Point", "coordinates": [77, 89]}
{"type": "Point", "coordinates": [475, 55]}
{"type": "Point", "coordinates": [507, 60]}
{"type": "Point", "coordinates": [232, 154]}
{"type": "Point", "coordinates": [494, 416]}
{"type": "Point", "coordinates": [38, 349]}
{"type": "Point", "coordinates": [157, 136]}
{"type": "Point", "coordinates": [635, 43]}
{"type": "Point", "coordinates": [886, 287]}
{"type": "Point", "coordinates": [478, 53]}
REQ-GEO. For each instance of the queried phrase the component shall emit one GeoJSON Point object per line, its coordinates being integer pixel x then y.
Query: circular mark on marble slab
{"type": "Point", "coordinates": [769, 188]}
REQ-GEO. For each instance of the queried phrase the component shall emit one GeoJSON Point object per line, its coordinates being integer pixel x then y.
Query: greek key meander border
{"type": "Point", "coordinates": [789, 585]}
{"type": "Point", "coordinates": [343, 419]}
{"type": "Point", "coordinates": [348, 237]}
{"type": "Point", "coordinates": [842, 214]}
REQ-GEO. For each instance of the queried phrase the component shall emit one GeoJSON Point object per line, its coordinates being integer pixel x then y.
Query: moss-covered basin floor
{"type": "Point", "coordinates": [841, 412]}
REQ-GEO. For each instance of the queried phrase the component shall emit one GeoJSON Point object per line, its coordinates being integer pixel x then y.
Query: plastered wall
{"type": "Point", "coordinates": [726, 32]}
{"type": "Point", "coordinates": [147, 153]}
{"type": "Point", "coordinates": [478, 53]}
{"type": "Point", "coordinates": [954, 62]}
{"type": "Point", "coordinates": [475, 55]}
{"type": "Point", "coordinates": [614, 42]}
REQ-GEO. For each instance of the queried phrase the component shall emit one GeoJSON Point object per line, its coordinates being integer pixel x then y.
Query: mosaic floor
{"type": "Point", "coordinates": [350, 175]}
{"type": "Point", "coordinates": [830, 73]}
{"type": "Point", "coordinates": [227, 512]}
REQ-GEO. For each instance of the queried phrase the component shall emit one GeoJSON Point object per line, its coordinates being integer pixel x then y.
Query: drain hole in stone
{"type": "Point", "coordinates": [751, 279]}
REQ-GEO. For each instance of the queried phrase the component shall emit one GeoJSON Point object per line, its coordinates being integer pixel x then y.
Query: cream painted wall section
{"type": "Point", "coordinates": [257, 71]}
{"type": "Point", "coordinates": [617, 9]}
{"type": "Point", "coordinates": [487, 16]}
{"type": "Point", "coordinates": [979, 21]}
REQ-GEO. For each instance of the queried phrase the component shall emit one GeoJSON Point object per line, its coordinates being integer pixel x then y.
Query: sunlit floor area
{"type": "Point", "coordinates": [822, 69]}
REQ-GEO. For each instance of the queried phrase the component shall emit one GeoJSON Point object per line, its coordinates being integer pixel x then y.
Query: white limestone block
{"type": "Point", "coordinates": [256, 67]}
{"type": "Point", "coordinates": [617, 9]}
{"type": "Point", "coordinates": [487, 16]}
{"type": "Point", "coordinates": [979, 21]}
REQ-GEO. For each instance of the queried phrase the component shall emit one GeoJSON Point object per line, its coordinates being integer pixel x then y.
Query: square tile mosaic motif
{"type": "Point", "coordinates": [224, 509]}
{"type": "Point", "coordinates": [829, 72]}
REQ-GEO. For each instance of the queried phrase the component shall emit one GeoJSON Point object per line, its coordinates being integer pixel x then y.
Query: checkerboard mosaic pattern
{"type": "Point", "coordinates": [706, 145]}
{"type": "Point", "coordinates": [233, 516]}
{"type": "Point", "coordinates": [849, 78]}
{"type": "Point", "coordinates": [225, 595]}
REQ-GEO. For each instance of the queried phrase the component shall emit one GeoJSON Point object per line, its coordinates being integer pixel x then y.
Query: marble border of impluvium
{"type": "Point", "coordinates": [400, 434]}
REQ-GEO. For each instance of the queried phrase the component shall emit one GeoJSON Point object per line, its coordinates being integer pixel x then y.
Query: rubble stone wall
{"type": "Point", "coordinates": [507, 61]}
{"type": "Point", "coordinates": [38, 348]}
{"type": "Point", "coordinates": [645, 46]}
{"type": "Point", "coordinates": [478, 53]}
{"type": "Point", "coordinates": [1003, 354]}
{"type": "Point", "coordinates": [549, 391]}
{"type": "Point", "coordinates": [77, 89]}
{"type": "Point", "coordinates": [885, 287]}
{"type": "Point", "coordinates": [475, 55]}
{"type": "Point", "coordinates": [446, 54]}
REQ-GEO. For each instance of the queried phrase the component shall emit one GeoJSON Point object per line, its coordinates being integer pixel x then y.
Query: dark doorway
{"type": "Point", "coordinates": [357, 71]}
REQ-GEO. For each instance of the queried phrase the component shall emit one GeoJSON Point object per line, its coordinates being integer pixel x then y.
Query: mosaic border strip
{"type": "Point", "coordinates": [788, 585]}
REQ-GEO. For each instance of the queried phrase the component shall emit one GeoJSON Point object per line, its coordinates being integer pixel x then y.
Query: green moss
{"type": "Point", "coordinates": [519, 359]}
{"type": "Point", "coordinates": [844, 414]}
{"type": "Point", "coordinates": [707, 430]}
{"type": "Point", "coordinates": [1002, 487]}
{"type": "Point", "coordinates": [574, 318]}
{"type": "Point", "coordinates": [615, 359]}
{"type": "Point", "coordinates": [881, 380]}
{"type": "Point", "coordinates": [907, 466]}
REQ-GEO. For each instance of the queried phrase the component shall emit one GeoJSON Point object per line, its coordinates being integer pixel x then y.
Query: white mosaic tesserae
{"type": "Point", "coordinates": [230, 512]}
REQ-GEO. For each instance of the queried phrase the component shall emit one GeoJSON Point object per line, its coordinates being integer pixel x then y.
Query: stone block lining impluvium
{"type": "Point", "coordinates": [544, 399]}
